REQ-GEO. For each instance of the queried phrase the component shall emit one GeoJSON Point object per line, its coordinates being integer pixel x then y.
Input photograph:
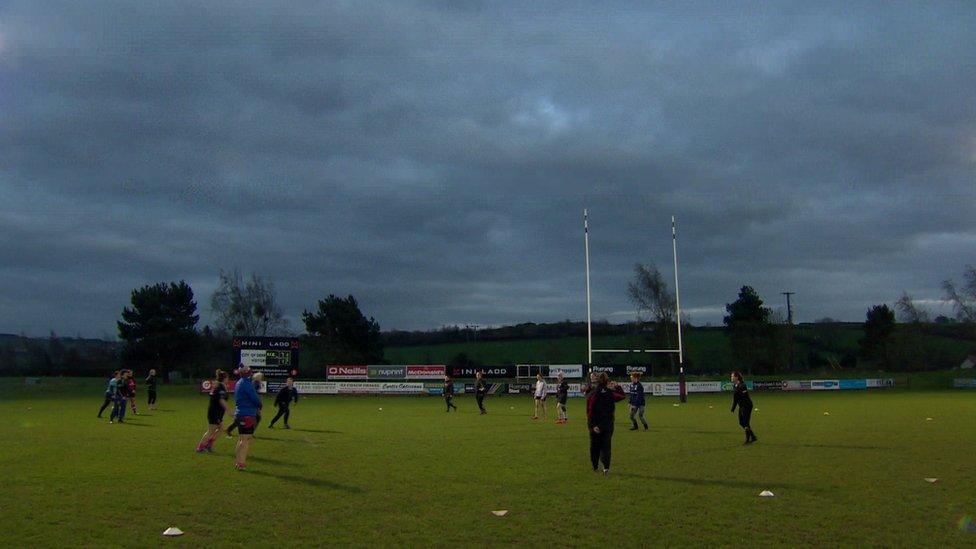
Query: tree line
{"type": "Point", "coordinates": [159, 329]}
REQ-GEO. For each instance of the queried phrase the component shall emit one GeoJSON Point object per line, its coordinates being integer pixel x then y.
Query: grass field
{"type": "Point", "coordinates": [412, 475]}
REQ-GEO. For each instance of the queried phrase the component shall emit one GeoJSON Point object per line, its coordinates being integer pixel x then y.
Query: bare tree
{"type": "Point", "coordinates": [963, 299]}
{"type": "Point", "coordinates": [909, 312]}
{"type": "Point", "coordinates": [247, 308]}
{"type": "Point", "coordinates": [649, 293]}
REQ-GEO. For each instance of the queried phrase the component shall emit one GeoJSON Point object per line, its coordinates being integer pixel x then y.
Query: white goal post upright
{"type": "Point", "coordinates": [677, 295]}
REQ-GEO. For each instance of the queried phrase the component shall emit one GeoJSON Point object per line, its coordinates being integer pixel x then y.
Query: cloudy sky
{"type": "Point", "coordinates": [434, 159]}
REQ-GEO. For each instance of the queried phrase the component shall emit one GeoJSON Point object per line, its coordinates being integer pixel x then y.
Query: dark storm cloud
{"type": "Point", "coordinates": [434, 159]}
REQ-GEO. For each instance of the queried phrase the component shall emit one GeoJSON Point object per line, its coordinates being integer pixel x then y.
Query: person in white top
{"type": "Point", "coordinates": [540, 397]}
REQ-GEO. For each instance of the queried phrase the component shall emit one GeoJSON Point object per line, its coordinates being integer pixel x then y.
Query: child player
{"type": "Point", "coordinates": [151, 389]}
{"type": "Point", "coordinates": [118, 399]}
{"type": "Point", "coordinates": [480, 390]}
{"type": "Point", "coordinates": [540, 397]}
{"type": "Point", "coordinates": [110, 391]}
{"type": "Point", "coordinates": [562, 392]}
{"type": "Point", "coordinates": [637, 403]}
{"type": "Point", "coordinates": [286, 395]}
{"type": "Point", "coordinates": [130, 390]}
{"type": "Point", "coordinates": [449, 393]}
{"type": "Point", "coordinates": [215, 413]}
{"type": "Point", "coordinates": [248, 404]}
{"type": "Point", "coordinates": [740, 398]}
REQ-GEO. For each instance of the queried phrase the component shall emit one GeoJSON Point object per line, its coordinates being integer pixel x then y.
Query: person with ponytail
{"type": "Point", "coordinates": [215, 413]}
{"type": "Point", "coordinates": [740, 398]}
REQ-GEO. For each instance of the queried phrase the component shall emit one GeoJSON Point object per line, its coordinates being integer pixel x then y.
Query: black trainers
{"type": "Point", "coordinates": [287, 427]}
{"type": "Point", "coordinates": [634, 428]}
{"type": "Point", "coordinates": [606, 472]}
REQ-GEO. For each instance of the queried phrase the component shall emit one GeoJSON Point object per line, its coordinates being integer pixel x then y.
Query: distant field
{"type": "Point", "coordinates": [707, 350]}
{"type": "Point", "coordinates": [412, 475]}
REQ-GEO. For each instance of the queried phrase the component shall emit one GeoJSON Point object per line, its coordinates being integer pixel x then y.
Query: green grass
{"type": "Point", "coordinates": [412, 475]}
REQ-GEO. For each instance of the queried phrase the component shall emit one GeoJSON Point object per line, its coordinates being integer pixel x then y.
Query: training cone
{"type": "Point", "coordinates": [172, 531]}
{"type": "Point", "coordinates": [766, 494]}
{"type": "Point", "coordinates": [931, 480]}
{"type": "Point", "coordinates": [501, 513]}
{"type": "Point", "coordinates": [928, 419]}
{"type": "Point", "coordinates": [826, 413]}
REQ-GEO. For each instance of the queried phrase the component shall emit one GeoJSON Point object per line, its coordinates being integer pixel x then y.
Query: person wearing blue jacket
{"type": "Point", "coordinates": [637, 402]}
{"type": "Point", "coordinates": [247, 404]}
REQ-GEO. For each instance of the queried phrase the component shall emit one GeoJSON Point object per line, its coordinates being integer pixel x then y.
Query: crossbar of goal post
{"type": "Point", "coordinates": [683, 393]}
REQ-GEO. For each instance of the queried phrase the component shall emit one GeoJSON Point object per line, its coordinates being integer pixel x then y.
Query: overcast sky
{"type": "Point", "coordinates": [434, 159]}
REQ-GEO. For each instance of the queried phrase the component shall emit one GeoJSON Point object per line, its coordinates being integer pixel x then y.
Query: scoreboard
{"type": "Point", "coordinates": [275, 357]}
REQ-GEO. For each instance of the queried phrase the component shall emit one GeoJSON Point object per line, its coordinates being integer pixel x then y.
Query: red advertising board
{"type": "Point", "coordinates": [425, 372]}
{"type": "Point", "coordinates": [338, 371]}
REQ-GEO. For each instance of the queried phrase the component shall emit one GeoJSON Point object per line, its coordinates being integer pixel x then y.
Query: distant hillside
{"type": "Point", "coordinates": [827, 345]}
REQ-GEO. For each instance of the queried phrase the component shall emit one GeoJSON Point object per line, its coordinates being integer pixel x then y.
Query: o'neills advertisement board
{"type": "Point", "coordinates": [347, 372]}
{"type": "Point", "coordinates": [429, 371]}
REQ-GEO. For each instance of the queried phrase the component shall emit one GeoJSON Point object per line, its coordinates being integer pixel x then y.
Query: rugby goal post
{"type": "Point", "coordinates": [683, 393]}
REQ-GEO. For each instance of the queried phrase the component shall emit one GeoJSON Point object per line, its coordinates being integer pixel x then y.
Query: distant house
{"type": "Point", "coordinates": [968, 363]}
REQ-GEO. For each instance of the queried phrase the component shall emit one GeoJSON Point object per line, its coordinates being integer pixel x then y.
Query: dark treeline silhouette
{"type": "Point", "coordinates": [526, 330]}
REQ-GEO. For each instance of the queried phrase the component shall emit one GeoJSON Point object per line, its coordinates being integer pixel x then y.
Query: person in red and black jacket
{"type": "Point", "coordinates": [600, 405]}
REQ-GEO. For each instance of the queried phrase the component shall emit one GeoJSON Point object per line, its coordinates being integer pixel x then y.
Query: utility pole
{"type": "Point", "coordinates": [789, 308]}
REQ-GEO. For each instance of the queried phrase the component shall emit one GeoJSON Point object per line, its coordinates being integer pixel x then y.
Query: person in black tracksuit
{"type": "Point", "coordinates": [740, 398]}
{"type": "Point", "coordinates": [286, 395]}
{"type": "Point", "coordinates": [449, 393]}
{"type": "Point", "coordinates": [562, 394]}
{"type": "Point", "coordinates": [480, 390]}
{"type": "Point", "coordinates": [600, 404]}
{"type": "Point", "coordinates": [151, 389]}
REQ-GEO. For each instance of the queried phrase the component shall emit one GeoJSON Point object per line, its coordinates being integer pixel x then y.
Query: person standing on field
{"type": "Point", "coordinates": [286, 395]}
{"type": "Point", "coordinates": [110, 391]}
{"type": "Point", "coordinates": [540, 397]}
{"type": "Point", "coordinates": [740, 398]}
{"type": "Point", "coordinates": [118, 399]}
{"type": "Point", "coordinates": [449, 393]}
{"type": "Point", "coordinates": [637, 403]}
{"type": "Point", "coordinates": [562, 393]}
{"type": "Point", "coordinates": [151, 389]}
{"type": "Point", "coordinates": [600, 406]}
{"type": "Point", "coordinates": [248, 404]}
{"type": "Point", "coordinates": [130, 390]}
{"type": "Point", "coordinates": [215, 413]}
{"type": "Point", "coordinates": [480, 390]}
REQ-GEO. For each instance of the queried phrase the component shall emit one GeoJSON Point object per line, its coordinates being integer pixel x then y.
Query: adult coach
{"type": "Point", "coordinates": [740, 398]}
{"type": "Point", "coordinates": [248, 403]}
{"type": "Point", "coordinates": [283, 400]}
{"type": "Point", "coordinates": [600, 405]}
{"type": "Point", "coordinates": [480, 390]}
